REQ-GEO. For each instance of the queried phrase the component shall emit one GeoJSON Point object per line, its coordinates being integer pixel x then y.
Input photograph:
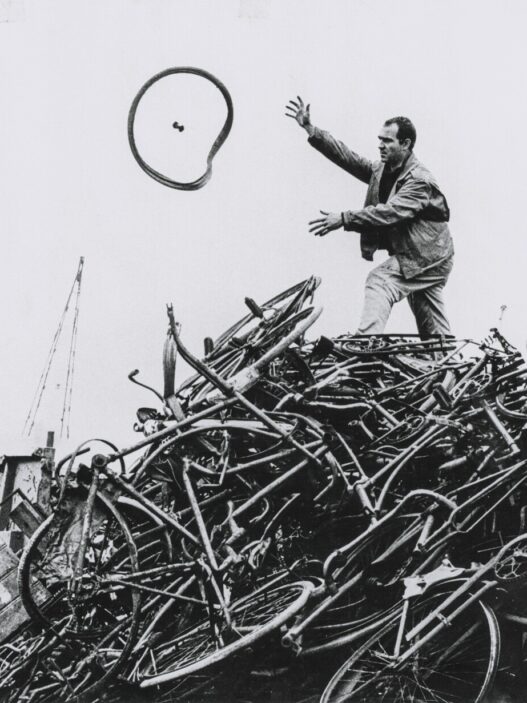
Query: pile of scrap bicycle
{"type": "Point", "coordinates": [362, 496]}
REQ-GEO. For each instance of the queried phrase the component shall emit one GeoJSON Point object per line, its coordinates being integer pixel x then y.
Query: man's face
{"type": "Point", "coordinates": [392, 151]}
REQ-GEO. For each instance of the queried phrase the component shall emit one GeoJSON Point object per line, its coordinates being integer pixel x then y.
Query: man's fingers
{"type": "Point", "coordinates": [324, 212]}
{"type": "Point", "coordinates": [320, 219]}
{"type": "Point", "coordinates": [300, 100]}
{"type": "Point", "coordinates": [292, 105]}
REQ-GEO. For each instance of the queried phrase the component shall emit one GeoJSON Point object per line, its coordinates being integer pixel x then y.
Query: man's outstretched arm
{"type": "Point", "coordinates": [412, 199]}
{"type": "Point", "coordinates": [333, 149]}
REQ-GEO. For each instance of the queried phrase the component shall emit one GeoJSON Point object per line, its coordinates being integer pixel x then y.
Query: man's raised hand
{"type": "Point", "coordinates": [323, 225]}
{"type": "Point", "coordinates": [299, 112]}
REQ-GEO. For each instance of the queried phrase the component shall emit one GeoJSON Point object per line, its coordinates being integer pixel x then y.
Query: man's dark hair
{"type": "Point", "coordinates": [405, 129]}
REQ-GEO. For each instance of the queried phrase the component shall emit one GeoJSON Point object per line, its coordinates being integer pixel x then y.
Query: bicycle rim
{"type": "Point", "coordinates": [457, 666]}
{"type": "Point", "coordinates": [253, 617]}
{"type": "Point", "coordinates": [104, 627]}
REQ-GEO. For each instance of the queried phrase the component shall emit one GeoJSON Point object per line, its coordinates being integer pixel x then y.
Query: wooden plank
{"type": "Point", "coordinates": [8, 559]}
{"type": "Point", "coordinates": [26, 517]}
{"type": "Point", "coordinates": [16, 541]}
{"type": "Point", "coordinates": [12, 613]}
{"type": "Point", "coordinates": [8, 589]}
{"type": "Point", "coordinates": [12, 618]}
{"type": "Point", "coordinates": [9, 580]}
{"type": "Point", "coordinates": [6, 489]}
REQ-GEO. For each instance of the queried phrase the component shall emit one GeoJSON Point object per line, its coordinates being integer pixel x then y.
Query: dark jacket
{"type": "Point", "coordinates": [414, 218]}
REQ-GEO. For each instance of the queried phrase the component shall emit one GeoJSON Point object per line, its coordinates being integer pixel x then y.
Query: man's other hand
{"type": "Point", "coordinates": [324, 225]}
{"type": "Point", "coordinates": [299, 112]}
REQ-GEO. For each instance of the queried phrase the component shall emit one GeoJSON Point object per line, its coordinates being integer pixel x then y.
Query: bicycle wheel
{"type": "Point", "coordinates": [369, 584]}
{"type": "Point", "coordinates": [103, 614]}
{"type": "Point", "coordinates": [252, 618]}
{"type": "Point", "coordinates": [456, 666]}
{"type": "Point", "coordinates": [247, 377]}
{"type": "Point", "coordinates": [511, 404]}
{"type": "Point", "coordinates": [292, 301]}
{"type": "Point", "coordinates": [233, 349]}
{"type": "Point", "coordinates": [511, 566]}
{"type": "Point", "coordinates": [222, 136]}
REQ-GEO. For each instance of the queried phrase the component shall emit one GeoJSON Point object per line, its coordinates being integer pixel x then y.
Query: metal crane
{"type": "Point", "coordinates": [74, 296]}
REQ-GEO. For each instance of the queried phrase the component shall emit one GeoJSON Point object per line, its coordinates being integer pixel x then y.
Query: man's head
{"type": "Point", "coordinates": [397, 139]}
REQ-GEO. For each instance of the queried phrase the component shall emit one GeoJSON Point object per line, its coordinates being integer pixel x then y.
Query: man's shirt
{"type": "Point", "coordinates": [386, 183]}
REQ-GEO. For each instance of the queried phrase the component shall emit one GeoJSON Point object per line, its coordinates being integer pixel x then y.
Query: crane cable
{"type": "Point", "coordinates": [41, 386]}
{"type": "Point", "coordinates": [68, 390]}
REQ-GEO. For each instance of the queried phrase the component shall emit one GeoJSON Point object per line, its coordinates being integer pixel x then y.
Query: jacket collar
{"type": "Point", "coordinates": [411, 163]}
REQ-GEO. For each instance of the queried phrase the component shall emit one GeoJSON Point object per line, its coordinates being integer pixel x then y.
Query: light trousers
{"type": "Point", "coordinates": [385, 285]}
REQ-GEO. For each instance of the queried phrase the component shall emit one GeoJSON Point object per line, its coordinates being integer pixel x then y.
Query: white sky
{"type": "Point", "coordinates": [70, 187]}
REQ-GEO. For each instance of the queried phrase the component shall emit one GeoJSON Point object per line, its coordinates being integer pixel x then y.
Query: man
{"type": "Point", "coordinates": [404, 213]}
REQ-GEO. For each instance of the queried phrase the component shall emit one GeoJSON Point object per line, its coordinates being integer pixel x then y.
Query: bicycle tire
{"type": "Point", "coordinates": [112, 638]}
{"type": "Point", "coordinates": [249, 376]}
{"type": "Point", "coordinates": [305, 289]}
{"type": "Point", "coordinates": [218, 142]}
{"type": "Point", "coordinates": [461, 665]}
{"type": "Point", "coordinates": [374, 569]}
{"type": "Point", "coordinates": [262, 606]}
{"type": "Point", "coordinates": [222, 352]}
{"type": "Point", "coordinates": [233, 362]}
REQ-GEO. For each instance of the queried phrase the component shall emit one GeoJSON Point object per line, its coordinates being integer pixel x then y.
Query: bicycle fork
{"type": "Point", "coordinates": [213, 569]}
{"type": "Point", "coordinates": [99, 462]}
{"type": "Point", "coordinates": [437, 614]}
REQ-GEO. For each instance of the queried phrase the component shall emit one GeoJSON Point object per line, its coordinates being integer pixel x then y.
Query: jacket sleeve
{"type": "Point", "coordinates": [339, 153]}
{"type": "Point", "coordinates": [412, 198]}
